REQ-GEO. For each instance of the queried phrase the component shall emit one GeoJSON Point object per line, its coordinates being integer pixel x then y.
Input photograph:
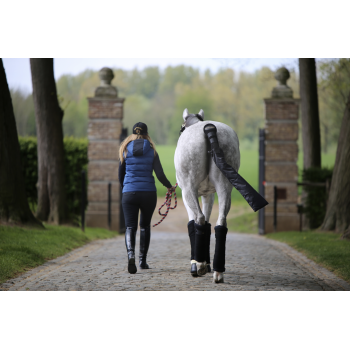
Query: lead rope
{"type": "Point", "coordinates": [167, 203]}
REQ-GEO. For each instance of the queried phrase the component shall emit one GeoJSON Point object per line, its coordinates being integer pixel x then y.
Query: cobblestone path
{"type": "Point", "coordinates": [252, 263]}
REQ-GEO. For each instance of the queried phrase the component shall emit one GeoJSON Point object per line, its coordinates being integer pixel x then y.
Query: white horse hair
{"type": "Point", "coordinates": [197, 175]}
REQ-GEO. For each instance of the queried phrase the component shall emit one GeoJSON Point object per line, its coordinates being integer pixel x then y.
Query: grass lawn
{"type": "Point", "coordinates": [325, 248]}
{"type": "Point", "coordinates": [22, 249]}
{"type": "Point", "coordinates": [246, 223]}
{"type": "Point", "coordinates": [248, 170]}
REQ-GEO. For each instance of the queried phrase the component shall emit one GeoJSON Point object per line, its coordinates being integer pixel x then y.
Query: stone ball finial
{"type": "Point", "coordinates": [106, 90]}
{"type": "Point", "coordinates": [282, 75]}
{"type": "Point", "coordinates": [282, 90]}
{"type": "Point", "coordinates": [106, 75]}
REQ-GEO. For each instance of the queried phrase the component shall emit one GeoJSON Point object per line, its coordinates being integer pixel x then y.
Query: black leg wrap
{"type": "Point", "coordinates": [220, 247]}
{"type": "Point", "coordinates": [207, 232]}
{"type": "Point", "coordinates": [200, 251]}
{"type": "Point", "coordinates": [145, 238]}
{"type": "Point", "coordinates": [191, 234]}
{"type": "Point", "coordinates": [130, 241]}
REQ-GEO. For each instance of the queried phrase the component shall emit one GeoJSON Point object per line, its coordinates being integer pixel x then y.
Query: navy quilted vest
{"type": "Point", "coordinates": [139, 167]}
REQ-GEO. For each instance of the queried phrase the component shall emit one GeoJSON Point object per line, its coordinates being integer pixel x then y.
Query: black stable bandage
{"type": "Point", "coordinates": [192, 236]}
{"type": "Point", "coordinates": [199, 251]}
{"type": "Point", "coordinates": [207, 232]}
{"type": "Point", "coordinates": [220, 248]}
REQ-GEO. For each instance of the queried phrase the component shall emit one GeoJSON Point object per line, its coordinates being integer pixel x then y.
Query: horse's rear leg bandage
{"type": "Point", "coordinates": [207, 232]}
{"type": "Point", "coordinates": [220, 248]}
{"type": "Point", "coordinates": [192, 236]}
{"type": "Point", "coordinates": [199, 251]}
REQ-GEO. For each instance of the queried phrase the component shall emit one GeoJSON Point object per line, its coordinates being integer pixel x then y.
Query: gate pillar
{"type": "Point", "coordinates": [281, 155]}
{"type": "Point", "coordinates": [104, 131]}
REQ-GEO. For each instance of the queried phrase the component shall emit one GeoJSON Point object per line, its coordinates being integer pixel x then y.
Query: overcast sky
{"type": "Point", "coordinates": [18, 69]}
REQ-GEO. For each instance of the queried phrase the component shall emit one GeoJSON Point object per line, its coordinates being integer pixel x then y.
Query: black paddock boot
{"type": "Point", "coordinates": [199, 249]}
{"type": "Point", "coordinates": [220, 247]}
{"type": "Point", "coordinates": [192, 236]}
{"type": "Point", "coordinates": [207, 232]}
{"type": "Point", "coordinates": [145, 238]}
{"type": "Point", "coordinates": [130, 240]}
{"type": "Point", "coordinates": [194, 272]}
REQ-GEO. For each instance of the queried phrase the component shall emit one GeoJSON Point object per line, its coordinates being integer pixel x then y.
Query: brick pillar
{"type": "Point", "coordinates": [104, 130]}
{"type": "Point", "coordinates": [281, 155]}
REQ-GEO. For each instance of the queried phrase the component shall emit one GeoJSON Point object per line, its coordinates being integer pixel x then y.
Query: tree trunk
{"type": "Point", "coordinates": [14, 208]}
{"type": "Point", "coordinates": [338, 207]}
{"type": "Point", "coordinates": [309, 113]}
{"type": "Point", "coordinates": [48, 115]}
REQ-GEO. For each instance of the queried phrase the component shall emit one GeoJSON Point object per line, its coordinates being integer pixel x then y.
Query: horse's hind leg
{"type": "Point", "coordinates": [191, 234]}
{"type": "Point", "coordinates": [207, 201]}
{"type": "Point", "coordinates": [224, 195]}
{"type": "Point", "coordinates": [190, 196]}
{"type": "Point", "coordinates": [193, 212]}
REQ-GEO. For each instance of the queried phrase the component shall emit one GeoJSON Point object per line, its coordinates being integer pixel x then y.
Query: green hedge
{"type": "Point", "coordinates": [316, 199]}
{"type": "Point", "coordinates": [76, 160]}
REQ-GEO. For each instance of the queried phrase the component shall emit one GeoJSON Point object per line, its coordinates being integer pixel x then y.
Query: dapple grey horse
{"type": "Point", "coordinates": [197, 175]}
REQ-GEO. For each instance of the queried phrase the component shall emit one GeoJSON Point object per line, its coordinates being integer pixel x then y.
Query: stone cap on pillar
{"type": "Point", "coordinates": [282, 90]}
{"type": "Point", "coordinates": [106, 90]}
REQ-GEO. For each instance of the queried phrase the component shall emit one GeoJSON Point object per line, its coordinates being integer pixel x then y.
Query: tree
{"type": "Point", "coordinates": [194, 100]}
{"type": "Point", "coordinates": [23, 109]}
{"type": "Point", "coordinates": [338, 207]}
{"type": "Point", "coordinates": [333, 90]}
{"type": "Point", "coordinates": [150, 81]}
{"type": "Point", "coordinates": [14, 208]}
{"type": "Point", "coordinates": [309, 113]}
{"type": "Point", "coordinates": [49, 115]}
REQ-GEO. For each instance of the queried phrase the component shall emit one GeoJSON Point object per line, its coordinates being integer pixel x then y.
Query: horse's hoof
{"type": "Point", "coordinates": [208, 268]}
{"type": "Point", "coordinates": [218, 277]}
{"type": "Point", "coordinates": [194, 270]}
{"type": "Point", "coordinates": [201, 268]}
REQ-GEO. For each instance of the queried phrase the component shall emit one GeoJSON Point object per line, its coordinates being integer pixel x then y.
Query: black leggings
{"type": "Point", "coordinates": [132, 202]}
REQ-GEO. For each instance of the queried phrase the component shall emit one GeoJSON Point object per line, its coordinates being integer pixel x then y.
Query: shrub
{"type": "Point", "coordinates": [76, 160]}
{"type": "Point", "coordinates": [29, 159]}
{"type": "Point", "coordinates": [316, 197]}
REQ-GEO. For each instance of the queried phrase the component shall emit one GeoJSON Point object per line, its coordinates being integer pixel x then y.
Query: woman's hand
{"type": "Point", "coordinates": [171, 189]}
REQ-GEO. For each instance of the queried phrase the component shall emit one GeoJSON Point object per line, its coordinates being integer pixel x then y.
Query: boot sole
{"type": "Point", "coordinates": [131, 266]}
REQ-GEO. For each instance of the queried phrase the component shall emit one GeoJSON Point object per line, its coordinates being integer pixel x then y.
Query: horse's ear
{"type": "Point", "coordinates": [201, 113]}
{"type": "Point", "coordinates": [185, 114]}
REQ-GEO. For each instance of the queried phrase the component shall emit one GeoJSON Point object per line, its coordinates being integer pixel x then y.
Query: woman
{"type": "Point", "coordinates": [138, 158]}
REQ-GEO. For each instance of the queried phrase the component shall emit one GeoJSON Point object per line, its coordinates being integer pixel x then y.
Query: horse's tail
{"type": "Point", "coordinates": [254, 199]}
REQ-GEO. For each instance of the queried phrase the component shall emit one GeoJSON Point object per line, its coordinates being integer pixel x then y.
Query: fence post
{"type": "Point", "coordinates": [83, 199]}
{"type": "Point", "coordinates": [123, 136]}
{"type": "Point", "coordinates": [274, 208]}
{"type": "Point", "coordinates": [109, 205]}
{"type": "Point", "coordinates": [300, 212]}
{"type": "Point", "coordinates": [262, 178]}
